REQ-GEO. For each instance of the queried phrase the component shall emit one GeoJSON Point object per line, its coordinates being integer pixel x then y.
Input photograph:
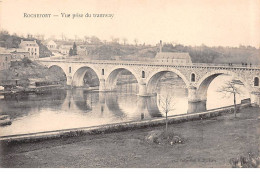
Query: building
{"type": "Point", "coordinates": [82, 51]}
{"type": "Point", "coordinates": [172, 57]}
{"type": "Point", "coordinates": [51, 45]}
{"type": "Point", "coordinates": [19, 54]}
{"type": "Point", "coordinates": [32, 47]}
{"type": "Point", "coordinates": [5, 59]}
{"type": "Point", "coordinates": [65, 49]}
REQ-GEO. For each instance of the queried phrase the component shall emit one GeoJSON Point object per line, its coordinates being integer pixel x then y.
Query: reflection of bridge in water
{"type": "Point", "coordinates": [83, 100]}
{"type": "Point", "coordinates": [197, 77]}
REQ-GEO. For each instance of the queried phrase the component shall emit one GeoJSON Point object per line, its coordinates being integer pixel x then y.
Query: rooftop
{"type": "Point", "coordinates": [172, 55]}
{"type": "Point", "coordinates": [18, 50]}
{"type": "Point", "coordinates": [29, 43]}
{"type": "Point", "coordinates": [51, 42]}
{"type": "Point", "coordinates": [4, 50]}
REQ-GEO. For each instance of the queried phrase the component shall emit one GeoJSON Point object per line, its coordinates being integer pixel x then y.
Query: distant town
{"type": "Point", "coordinates": [14, 48]}
{"type": "Point", "coordinates": [19, 55]}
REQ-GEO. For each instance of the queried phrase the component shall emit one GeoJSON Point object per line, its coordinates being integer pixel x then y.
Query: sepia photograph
{"type": "Point", "coordinates": [129, 84]}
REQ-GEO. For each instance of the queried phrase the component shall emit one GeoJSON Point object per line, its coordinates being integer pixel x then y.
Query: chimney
{"type": "Point", "coordinates": [160, 46]}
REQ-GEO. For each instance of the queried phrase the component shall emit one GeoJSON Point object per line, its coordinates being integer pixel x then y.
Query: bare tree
{"type": "Point", "coordinates": [115, 40]}
{"type": "Point", "coordinates": [63, 37]}
{"type": "Point", "coordinates": [231, 88]}
{"type": "Point", "coordinates": [43, 36]}
{"type": "Point", "coordinates": [86, 39]}
{"type": "Point", "coordinates": [94, 40]}
{"type": "Point", "coordinates": [124, 41]}
{"type": "Point", "coordinates": [4, 32]}
{"type": "Point", "coordinates": [136, 41]}
{"type": "Point", "coordinates": [167, 105]}
{"type": "Point", "coordinates": [111, 38]}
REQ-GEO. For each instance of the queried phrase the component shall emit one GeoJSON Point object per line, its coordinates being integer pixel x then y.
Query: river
{"type": "Point", "coordinates": [63, 109]}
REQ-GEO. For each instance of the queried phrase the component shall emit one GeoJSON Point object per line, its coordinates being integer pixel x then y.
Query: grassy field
{"type": "Point", "coordinates": [207, 143]}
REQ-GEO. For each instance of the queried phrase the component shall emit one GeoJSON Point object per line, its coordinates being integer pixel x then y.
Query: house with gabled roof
{"type": "Point", "coordinates": [32, 47]}
{"type": "Point", "coordinates": [172, 57]}
{"type": "Point", "coordinates": [51, 45]}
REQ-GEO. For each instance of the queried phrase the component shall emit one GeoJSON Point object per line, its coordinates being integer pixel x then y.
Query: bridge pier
{"type": "Point", "coordinates": [198, 106]}
{"type": "Point", "coordinates": [102, 85]}
{"type": "Point", "coordinates": [255, 98]}
{"type": "Point", "coordinates": [142, 89]}
{"type": "Point", "coordinates": [69, 81]}
{"type": "Point", "coordinates": [195, 102]}
{"type": "Point", "coordinates": [192, 94]}
{"type": "Point", "coordinates": [142, 105]}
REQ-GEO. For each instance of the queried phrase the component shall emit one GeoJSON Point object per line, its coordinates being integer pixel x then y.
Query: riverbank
{"type": "Point", "coordinates": [117, 127]}
{"type": "Point", "coordinates": [208, 143]}
{"type": "Point", "coordinates": [33, 90]}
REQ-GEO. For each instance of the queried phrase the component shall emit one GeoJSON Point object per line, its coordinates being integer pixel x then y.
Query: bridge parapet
{"type": "Point", "coordinates": [152, 62]}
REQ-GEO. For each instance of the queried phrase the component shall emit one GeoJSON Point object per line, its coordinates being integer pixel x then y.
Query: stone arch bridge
{"type": "Point", "coordinates": [197, 77]}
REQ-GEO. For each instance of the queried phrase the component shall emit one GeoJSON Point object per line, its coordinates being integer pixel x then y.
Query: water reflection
{"type": "Point", "coordinates": [118, 104]}
{"type": "Point", "coordinates": [62, 109]}
{"type": "Point", "coordinates": [19, 105]}
{"type": "Point", "coordinates": [73, 108]}
{"type": "Point", "coordinates": [84, 100]}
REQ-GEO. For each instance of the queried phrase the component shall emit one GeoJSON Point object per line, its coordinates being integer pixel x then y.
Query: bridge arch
{"type": "Point", "coordinates": [153, 78]}
{"type": "Point", "coordinates": [112, 77]}
{"type": "Point", "coordinates": [205, 81]}
{"type": "Point", "coordinates": [78, 76]}
{"type": "Point", "coordinates": [59, 73]}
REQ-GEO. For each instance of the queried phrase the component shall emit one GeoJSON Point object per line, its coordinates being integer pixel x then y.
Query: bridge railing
{"type": "Point", "coordinates": [152, 62]}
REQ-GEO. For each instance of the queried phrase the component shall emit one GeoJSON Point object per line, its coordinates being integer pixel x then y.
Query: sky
{"type": "Point", "coordinates": [188, 22]}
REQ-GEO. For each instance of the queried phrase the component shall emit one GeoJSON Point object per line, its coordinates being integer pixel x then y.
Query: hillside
{"type": "Point", "coordinates": [30, 70]}
{"type": "Point", "coordinates": [199, 54]}
{"type": "Point", "coordinates": [204, 54]}
{"type": "Point", "coordinates": [13, 41]}
{"type": "Point", "coordinates": [111, 51]}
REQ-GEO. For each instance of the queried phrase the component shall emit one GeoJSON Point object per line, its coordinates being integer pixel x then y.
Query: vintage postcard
{"type": "Point", "coordinates": [129, 83]}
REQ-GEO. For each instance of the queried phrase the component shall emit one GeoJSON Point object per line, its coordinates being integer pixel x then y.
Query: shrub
{"type": "Point", "coordinates": [250, 161]}
{"type": "Point", "coordinates": [161, 137]}
{"type": "Point", "coordinates": [26, 61]}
